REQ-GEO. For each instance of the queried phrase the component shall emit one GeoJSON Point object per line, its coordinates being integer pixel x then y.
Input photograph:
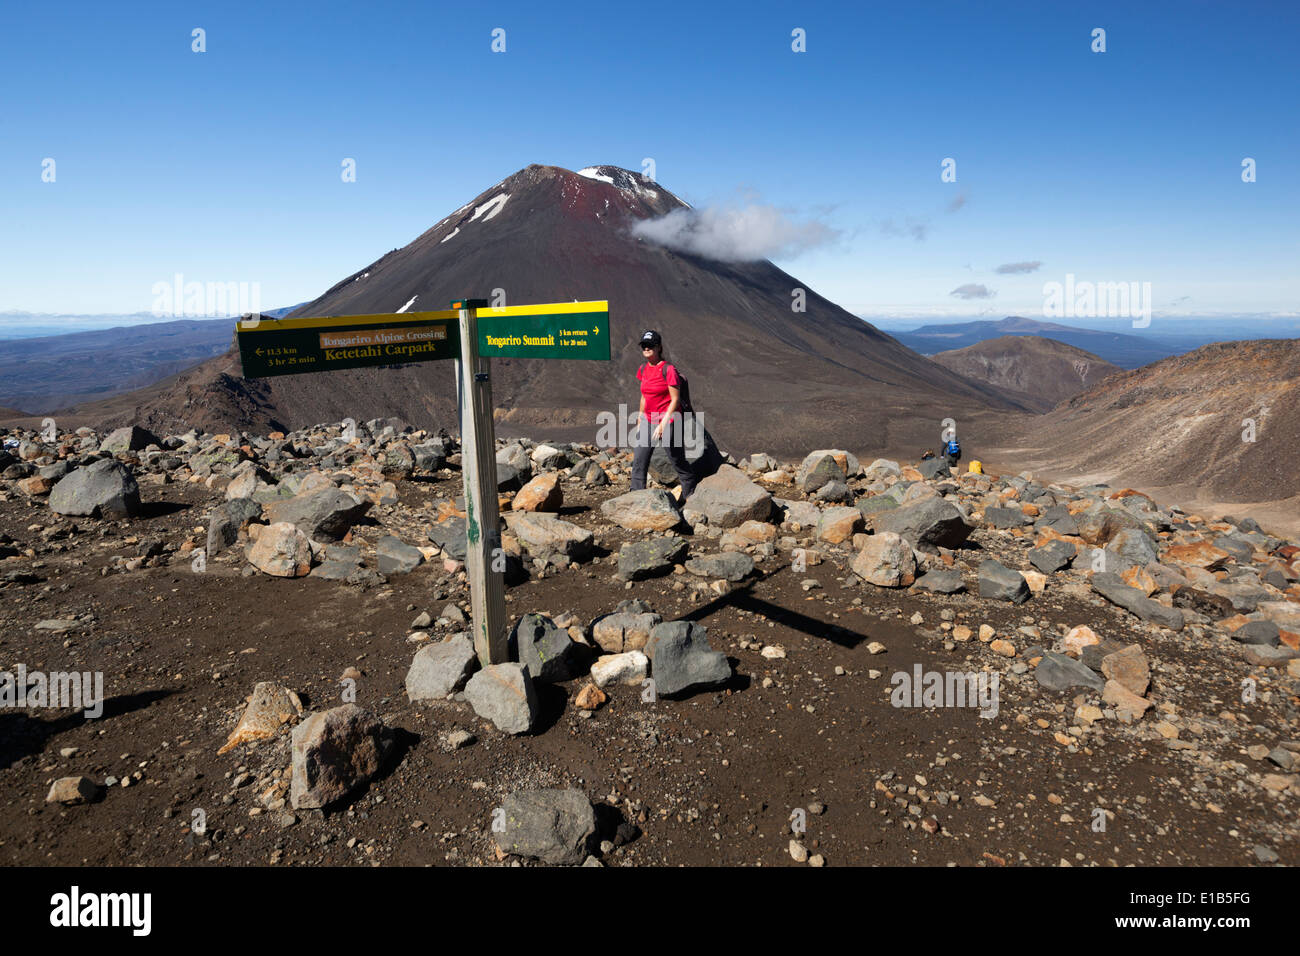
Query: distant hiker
{"type": "Point", "coordinates": [927, 455]}
{"type": "Point", "coordinates": [951, 450]}
{"type": "Point", "coordinates": [664, 398]}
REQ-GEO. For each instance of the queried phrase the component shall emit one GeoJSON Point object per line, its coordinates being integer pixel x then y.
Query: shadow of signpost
{"type": "Point", "coordinates": [744, 599]}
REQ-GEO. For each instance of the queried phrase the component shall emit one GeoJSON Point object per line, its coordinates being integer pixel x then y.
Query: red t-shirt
{"type": "Point", "coordinates": [654, 388]}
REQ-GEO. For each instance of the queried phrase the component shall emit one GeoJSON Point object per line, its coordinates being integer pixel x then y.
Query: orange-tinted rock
{"type": "Point", "coordinates": [589, 698]}
{"type": "Point", "coordinates": [757, 531]}
{"type": "Point", "coordinates": [270, 707]}
{"type": "Point", "coordinates": [1138, 577]}
{"type": "Point", "coordinates": [1079, 638]}
{"type": "Point", "coordinates": [1128, 705]}
{"type": "Point", "coordinates": [1129, 667]}
{"type": "Point", "coordinates": [1198, 554]}
{"type": "Point", "coordinates": [542, 493]}
{"type": "Point", "coordinates": [35, 485]}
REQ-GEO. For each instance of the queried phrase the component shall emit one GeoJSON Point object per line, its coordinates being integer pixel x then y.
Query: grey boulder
{"type": "Point", "coordinates": [1056, 555]}
{"type": "Point", "coordinates": [1112, 587]}
{"type": "Point", "coordinates": [1002, 583]}
{"type": "Point", "coordinates": [1058, 672]}
{"type": "Point", "coordinates": [644, 559]}
{"type": "Point", "coordinates": [329, 513]}
{"type": "Point", "coordinates": [554, 826]}
{"type": "Point", "coordinates": [396, 556]}
{"type": "Point", "coordinates": [732, 565]}
{"type": "Point", "coordinates": [926, 524]}
{"type": "Point", "coordinates": [441, 669]}
{"type": "Point", "coordinates": [504, 694]}
{"type": "Point", "coordinates": [226, 521]}
{"type": "Point", "coordinates": [941, 581]}
{"type": "Point", "coordinates": [682, 657]}
{"type": "Point", "coordinates": [106, 488]}
{"type": "Point", "coordinates": [548, 653]}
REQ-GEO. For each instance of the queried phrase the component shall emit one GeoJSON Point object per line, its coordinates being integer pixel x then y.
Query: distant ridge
{"type": "Point", "coordinates": [1187, 421]}
{"type": "Point", "coordinates": [1035, 371]}
{"type": "Point", "coordinates": [1126, 351]}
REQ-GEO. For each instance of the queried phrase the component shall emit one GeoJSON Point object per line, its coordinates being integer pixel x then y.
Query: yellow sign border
{"type": "Point", "coordinates": [307, 322]}
{"type": "Point", "coordinates": [553, 308]}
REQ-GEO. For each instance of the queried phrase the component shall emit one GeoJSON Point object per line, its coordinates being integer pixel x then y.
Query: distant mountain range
{"type": "Point", "coordinates": [1124, 350]}
{"type": "Point", "coordinates": [39, 374]}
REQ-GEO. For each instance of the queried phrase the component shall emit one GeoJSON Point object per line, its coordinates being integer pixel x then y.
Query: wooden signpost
{"type": "Point", "coordinates": [471, 333]}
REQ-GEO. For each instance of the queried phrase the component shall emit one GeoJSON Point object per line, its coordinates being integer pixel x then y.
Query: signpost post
{"type": "Point", "coordinates": [478, 467]}
{"type": "Point", "coordinates": [471, 334]}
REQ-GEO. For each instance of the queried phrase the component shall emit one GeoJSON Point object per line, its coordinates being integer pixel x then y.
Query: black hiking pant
{"type": "Point", "coordinates": [672, 442]}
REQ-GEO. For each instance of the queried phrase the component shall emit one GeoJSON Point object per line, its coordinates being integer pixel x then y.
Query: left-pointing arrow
{"type": "Point", "coordinates": [257, 351]}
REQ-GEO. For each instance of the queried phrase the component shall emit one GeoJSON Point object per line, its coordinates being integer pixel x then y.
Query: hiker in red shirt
{"type": "Point", "coordinates": [660, 421]}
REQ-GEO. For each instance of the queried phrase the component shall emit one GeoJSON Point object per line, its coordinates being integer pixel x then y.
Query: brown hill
{"type": "Point", "coordinates": [762, 375]}
{"type": "Point", "coordinates": [1184, 423]}
{"type": "Point", "coordinates": [1035, 372]}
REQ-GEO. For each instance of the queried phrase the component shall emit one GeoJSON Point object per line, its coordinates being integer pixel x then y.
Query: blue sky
{"type": "Point", "coordinates": [224, 166]}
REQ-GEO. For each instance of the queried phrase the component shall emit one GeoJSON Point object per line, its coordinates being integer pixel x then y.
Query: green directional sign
{"type": "Point", "coordinates": [556, 330]}
{"type": "Point", "coordinates": [559, 330]}
{"type": "Point", "coordinates": [290, 346]}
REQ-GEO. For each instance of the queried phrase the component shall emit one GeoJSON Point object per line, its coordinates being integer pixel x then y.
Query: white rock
{"type": "Point", "coordinates": [626, 668]}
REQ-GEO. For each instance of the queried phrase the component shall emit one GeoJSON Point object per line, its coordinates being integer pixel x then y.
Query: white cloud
{"type": "Point", "coordinates": [735, 233]}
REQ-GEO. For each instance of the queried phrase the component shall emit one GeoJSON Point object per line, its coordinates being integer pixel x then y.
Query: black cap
{"type": "Point", "coordinates": [650, 338]}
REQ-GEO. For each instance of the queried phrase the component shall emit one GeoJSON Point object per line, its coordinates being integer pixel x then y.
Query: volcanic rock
{"type": "Point", "coordinates": [554, 826]}
{"type": "Point", "coordinates": [649, 509]}
{"type": "Point", "coordinates": [441, 669]}
{"type": "Point", "coordinates": [106, 488]}
{"type": "Point", "coordinates": [503, 694]}
{"type": "Point", "coordinates": [927, 524]}
{"type": "Point", "coordinates": [886, 561]}
{"type": "Point", "coordinates": [324, 515]}
{"type": "Point", "coordinates": [270, 707]}
{"type": "Point", "coordinates": [549, 653]}
{"type": "Point", "coordinates": [681, 658]}
{"type": "Point", "coordinates": [1002, 583]}
{"type": "Point", "coordinates": [334, 753]}
{"type": "Point", "coordinates": [644, 559]}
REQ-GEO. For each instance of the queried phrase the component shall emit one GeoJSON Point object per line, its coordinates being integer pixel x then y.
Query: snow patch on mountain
{"type": "Point", "coordinates": [491, 207]}
{"type": "Point", "coordinates": [593, 172]}
{"type": "Point", "coordinates": [408, 305]}
{"type": "Point", "coordinates": [621, 179]}
{"type": "Point", "coordinates": [450, 235]}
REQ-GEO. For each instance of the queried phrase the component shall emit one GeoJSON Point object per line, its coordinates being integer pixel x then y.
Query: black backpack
{"type": "Point", "coordinates": [683, 390]}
